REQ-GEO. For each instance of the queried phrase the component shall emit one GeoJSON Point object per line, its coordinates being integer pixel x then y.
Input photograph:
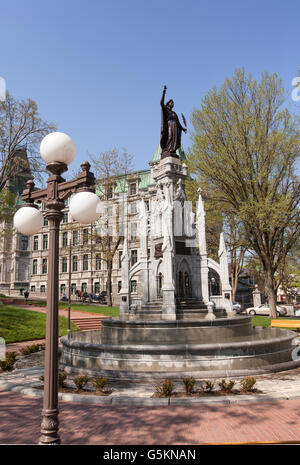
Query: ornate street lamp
{"type": "Point", "coordinates": [58, 151]}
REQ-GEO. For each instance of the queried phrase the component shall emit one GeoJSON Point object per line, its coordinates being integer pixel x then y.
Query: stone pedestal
{"type": "Point", "coordinates": [256, 296]}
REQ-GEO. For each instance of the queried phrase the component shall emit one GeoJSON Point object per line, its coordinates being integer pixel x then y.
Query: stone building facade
{"type": "Point", "coordinates": [162, 259]}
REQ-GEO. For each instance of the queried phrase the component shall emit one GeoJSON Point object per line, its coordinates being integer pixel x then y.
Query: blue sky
{"type": "Point", "coordinates": [97, 68]}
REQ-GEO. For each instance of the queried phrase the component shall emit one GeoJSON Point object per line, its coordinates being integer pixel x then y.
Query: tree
{"type": "Point", "coordinates": [246, 144]}
{"type": "Point", "coordinates": [111, 167]}
{"type": "Point", "coordinates": [20, 125]}
{"type": "Point", "coordinates": [237, 247]}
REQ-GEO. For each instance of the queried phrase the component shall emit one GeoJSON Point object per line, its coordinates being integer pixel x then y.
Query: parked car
{"type": "Point", "coordinates": [237, 307]}
{"type": "Point", "coordinates": [264, 309]}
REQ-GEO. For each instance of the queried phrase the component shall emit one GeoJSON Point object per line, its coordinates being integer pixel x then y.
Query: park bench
{"type": "Point", "coordinates": [291, 324]}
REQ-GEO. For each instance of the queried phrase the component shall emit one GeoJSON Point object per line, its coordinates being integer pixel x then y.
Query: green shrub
{"type": "Point", "coordinates": [189, 384]}
{"type": "Point", "coordinates": [8, 363]}
{"type": "Point", "coordinates": [247, 384]}
{"type": "Point", "coordinates": [165, 389]}
{"type": "Point", "coordinates": [31, 349]}
{"type": "Point", "coordinates": [226, 386]}
{"type": "Point", "coordinates": [99, 383]}
{"type": "Point", "coordinates": [208, 386]}
{"type": "Point", "coordinates": [61, 379]}
{"type": "Point", "coordinates": [80, 381]}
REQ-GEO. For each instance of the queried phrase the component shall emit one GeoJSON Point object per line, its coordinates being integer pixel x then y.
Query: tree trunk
{"type": "Point", "coordinates": [271, 293]}
{"type": "Point", "coordinates": [108, 283]}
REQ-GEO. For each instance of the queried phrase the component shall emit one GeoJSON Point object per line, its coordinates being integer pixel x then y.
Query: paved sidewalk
{"type": "Point", "coordinates": [277, 386]}
{"type": "Point", "coordinates": [177, 425]}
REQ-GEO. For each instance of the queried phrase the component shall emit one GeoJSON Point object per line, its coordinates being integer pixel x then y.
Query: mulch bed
{"type": "Point", "coordinates": [210, 394]}
{"type": "Point", "coordinates": [70, 390]}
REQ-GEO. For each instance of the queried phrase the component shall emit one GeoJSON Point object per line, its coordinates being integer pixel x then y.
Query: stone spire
{"type": "Point", "coordinates": [224, 275]}
{"type": "Point", "coordinates": [202, 247]}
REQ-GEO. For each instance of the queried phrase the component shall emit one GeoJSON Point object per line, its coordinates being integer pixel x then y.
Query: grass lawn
{"type": "Point", "coordinates": [108, 311]}
{"type": "Point", "coordinates": [261, 321]}
{"type": "Point", "coordinates": [18, 325]}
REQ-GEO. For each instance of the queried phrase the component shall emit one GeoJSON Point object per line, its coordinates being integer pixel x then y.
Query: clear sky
{"type": "Point", "coordinates": [97, 68]}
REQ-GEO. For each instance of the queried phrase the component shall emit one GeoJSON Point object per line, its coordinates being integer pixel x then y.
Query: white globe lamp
{"type": "Point", "coordinates": [85, 207]}
{"type": "Point", "coordinates": [28, 221]}
{"type": "Point", "coordinates": [57, 147]}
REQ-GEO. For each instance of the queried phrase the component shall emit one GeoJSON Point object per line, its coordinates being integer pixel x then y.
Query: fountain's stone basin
{"type": "Point", "coordinates": [118, 331]}
{"type": "Point", "coordinates": [148, 350]}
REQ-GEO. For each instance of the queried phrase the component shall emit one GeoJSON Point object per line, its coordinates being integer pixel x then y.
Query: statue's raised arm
{"type": "Point", "coordinates": [162, 100]}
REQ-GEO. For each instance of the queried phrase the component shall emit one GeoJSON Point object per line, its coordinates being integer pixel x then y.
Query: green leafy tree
{"type": "Point", "coordinates": [246, 144]}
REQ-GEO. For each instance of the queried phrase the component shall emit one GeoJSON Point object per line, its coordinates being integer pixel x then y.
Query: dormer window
{"type": "Point", "coordinates": [132, 188]}
{"type": "Point", "coordinates": [109, 192]}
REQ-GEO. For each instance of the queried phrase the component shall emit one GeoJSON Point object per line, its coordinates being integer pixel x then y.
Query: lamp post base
{"type": "Point", "coordinates": [49, 428]}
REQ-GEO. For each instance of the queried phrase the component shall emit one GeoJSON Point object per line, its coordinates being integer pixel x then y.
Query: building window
{"type": "Point", "coordinates": [45, 221]}
{"type": "Point", "coordinates": [44, 266]}
{"type": "Point", "coordinates": [148, 254]}
{"type": "Point", "coordinates": [43, 289]}
{"type": "Point", "coordinates": [34, 266]}
{"type": "Point", "coordinates": [45, 241]}
{"type": "Point", "coordinates": [85, 262]}
{"type": "Point", "coordinates": [109, 192]}
{"type": "Point", "coordinates": [75, 238]}
{"type": "Point", "coordinates": [97, 288]}
{"type": "Point", "coordinates": [109, 211]}
{"type": "Point", "coordinates": [133, 257]}
{"type": "Point", "coordinates": [120, 258]}
{"type": "Point", "coordinates": [132, 188]}
{"type": "Point", "coordinates": [83, 287]}
{"type": "Point", "coordinates": [133, 287]}
{"type": "Point", "coordinates": [65, 218]}
{"type": "Point", "coordinates": [62, 288]}
{"type": "Point", "coordinates": [119, 285]}
{"type": "Point", "coordinates": [64, 265]}
{"type": "Point", "coordinates": [75, 263]}
{"type": "Point", "coordinates": [35, 242]}
{"type": "Point", "coordinates": [133, 231]}
{"type": "Point", "coordinates": [98, 262]}
{"type": "Point", "coordinates": [65, 239]}
{"type": "Point", "coordinates": [24, 242]}
{"type": "Point", "coordinates": [85, 237]}
{"type": "Point", "coordinates": [73, 288]}
{"type": "Point", "coordinates": [133, 207]}
{"type": "Point", "coordinates": [32, 288]}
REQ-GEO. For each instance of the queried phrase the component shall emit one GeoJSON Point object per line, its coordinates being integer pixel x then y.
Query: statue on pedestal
{"type": "Point", "coordinates": [171, 128]}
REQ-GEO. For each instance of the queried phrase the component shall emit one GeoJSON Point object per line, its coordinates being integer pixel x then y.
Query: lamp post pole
{"type": "Point", "coordinates": [53, 197]}
{"type": "Point", "coordinates": [69, 290]}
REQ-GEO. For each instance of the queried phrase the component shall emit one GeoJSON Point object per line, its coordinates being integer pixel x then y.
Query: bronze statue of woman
{"type": "Point", "coordinates": [171, 128]}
